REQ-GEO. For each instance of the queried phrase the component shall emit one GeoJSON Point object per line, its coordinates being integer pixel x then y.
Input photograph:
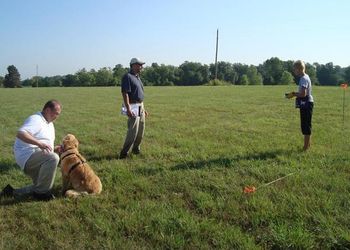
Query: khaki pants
{"type": "Point", "coordinates": [41, 167]}
{"type": "Point", "coordinates": [136, 129]}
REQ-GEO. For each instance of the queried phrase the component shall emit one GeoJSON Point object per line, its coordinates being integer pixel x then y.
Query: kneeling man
{"type": "Point", "coordinates": [35, 153]}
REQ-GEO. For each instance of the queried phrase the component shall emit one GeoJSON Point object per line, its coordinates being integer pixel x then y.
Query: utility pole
{"type": "Point", "coordinates": [37, 76]}
{"type": "Point", "coordinates": [216, 54]}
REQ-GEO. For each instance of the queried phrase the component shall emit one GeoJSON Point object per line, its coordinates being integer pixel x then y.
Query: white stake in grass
{"type": "Point", "coordinates": [344, 86]}
{"type": "Point", "coordinates": [252, 189]}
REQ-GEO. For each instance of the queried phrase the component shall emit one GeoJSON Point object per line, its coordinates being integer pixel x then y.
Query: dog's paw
{"type": "Point", "coordinates": [74, 194]}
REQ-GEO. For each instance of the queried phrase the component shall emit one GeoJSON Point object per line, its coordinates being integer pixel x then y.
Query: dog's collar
{"type": "Point", "coordinates": [68, 152]}
{"type": "Point", "coordinates": [67, 155]}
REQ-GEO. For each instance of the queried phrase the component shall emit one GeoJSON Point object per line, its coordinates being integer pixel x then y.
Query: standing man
{"type": "Point", "coordinates": [133, 95]}
{"type": "Point", "coordinates": [35, 153]}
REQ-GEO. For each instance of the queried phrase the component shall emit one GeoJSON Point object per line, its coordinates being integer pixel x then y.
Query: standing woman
{"type": "Point", "coordinates": [304, 101]}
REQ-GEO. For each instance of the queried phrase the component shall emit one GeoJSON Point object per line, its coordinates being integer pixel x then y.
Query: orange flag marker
{"type": "Point", "coordinates": [252, 189]}
{"type": "Point", "coordinates": [249, 189]}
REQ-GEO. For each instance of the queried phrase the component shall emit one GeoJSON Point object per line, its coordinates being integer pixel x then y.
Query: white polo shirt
{"type": "Point", "coordinates": [40, 129]}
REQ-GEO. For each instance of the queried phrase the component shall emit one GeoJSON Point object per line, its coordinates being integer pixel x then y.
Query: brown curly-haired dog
{"type": "Point", "coordinates": [77, 176]}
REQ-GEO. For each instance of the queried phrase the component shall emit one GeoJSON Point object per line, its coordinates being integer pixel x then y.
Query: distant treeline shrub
{"type": "Point", "coordinates": [272, 72]}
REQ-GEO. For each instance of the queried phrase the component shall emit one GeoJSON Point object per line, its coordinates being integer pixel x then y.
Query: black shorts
{"type": "Point", "coordinates": [306, 118]}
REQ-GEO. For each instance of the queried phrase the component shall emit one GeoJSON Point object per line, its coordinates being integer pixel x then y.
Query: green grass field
{"type": "Point", "coordinates": [202, 146]}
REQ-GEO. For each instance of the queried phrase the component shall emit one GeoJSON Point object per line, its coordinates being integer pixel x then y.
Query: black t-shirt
{"type": "Point", "coordinates": [132, 85]}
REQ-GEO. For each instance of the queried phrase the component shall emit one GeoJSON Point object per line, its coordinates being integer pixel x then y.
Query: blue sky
{"type": "Point", "coordinates": [63, 36]}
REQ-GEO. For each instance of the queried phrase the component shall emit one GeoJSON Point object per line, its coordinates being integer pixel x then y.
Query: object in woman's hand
{"type": "Point", "coordinates": [289, 95]}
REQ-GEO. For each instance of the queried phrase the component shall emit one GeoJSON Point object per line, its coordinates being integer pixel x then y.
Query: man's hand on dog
{"type": "Point", "coordinates": [58, 149]}
{"type": "Point", "coordinates": [45, 147]}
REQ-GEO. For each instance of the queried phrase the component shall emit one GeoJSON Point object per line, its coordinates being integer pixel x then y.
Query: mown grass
{"type": "Point", "coordinates": [202, 146]}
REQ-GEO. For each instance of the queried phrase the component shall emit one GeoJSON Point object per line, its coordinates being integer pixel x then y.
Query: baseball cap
{"type": "Point", "coordinates": [136, 61]}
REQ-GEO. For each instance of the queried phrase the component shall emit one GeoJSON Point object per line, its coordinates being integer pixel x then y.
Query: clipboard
{"type": "Point", "coordinates": [135, 109]}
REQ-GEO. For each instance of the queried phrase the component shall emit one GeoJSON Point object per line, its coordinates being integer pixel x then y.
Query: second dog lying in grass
{"type": "Point", "coordinates": [77, 176]}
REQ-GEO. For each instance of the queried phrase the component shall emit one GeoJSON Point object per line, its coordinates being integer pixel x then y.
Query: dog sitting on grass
{"type": "Point", "coordinates": [77, 176]}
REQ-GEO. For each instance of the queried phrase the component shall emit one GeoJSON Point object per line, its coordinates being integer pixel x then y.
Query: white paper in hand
{"type": "Point", "coordinates": [135, 109]}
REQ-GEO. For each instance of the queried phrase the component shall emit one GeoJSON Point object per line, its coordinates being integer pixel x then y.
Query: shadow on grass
{"type": "Point", "coordinates": [227, 162]}
{"type": "Point", "coordinates": [148, 171]}
{"type": "Point", "coordinates": [11, 201]}
{"type": "Point", "coordinates": [94, 157]}
{"type": "Point", "coordinates": [6, 165]}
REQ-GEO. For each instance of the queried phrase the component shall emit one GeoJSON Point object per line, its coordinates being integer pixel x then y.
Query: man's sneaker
{"type": "Point", "coordinates": [136, 151]}
{"type": "Point", "coordinates": [43, 197]}
{"type": "Point", "coordinates": [7, 191]}
{"type": "Point", "coordinates": [123, 155]}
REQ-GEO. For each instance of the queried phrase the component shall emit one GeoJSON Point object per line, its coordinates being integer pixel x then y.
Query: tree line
{"type": "Point", "coordinates": [272, 72]}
